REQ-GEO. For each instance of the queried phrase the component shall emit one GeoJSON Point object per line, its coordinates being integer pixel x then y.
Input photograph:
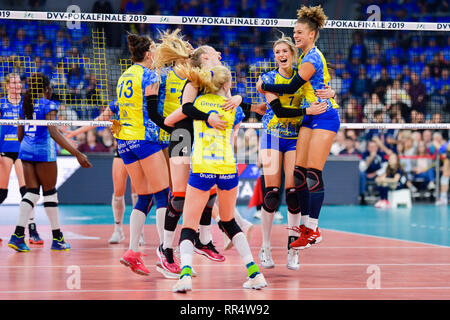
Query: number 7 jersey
{"type": "Point", "coordinates": [133, 114]}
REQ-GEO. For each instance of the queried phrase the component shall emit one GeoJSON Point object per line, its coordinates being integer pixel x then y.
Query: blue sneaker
{"type": "Point", "coordinates": [60, 244]}
{"type": "Point", "coordinates": [18, 243]}
{"type": "Point", "coordinates": [35, 239]}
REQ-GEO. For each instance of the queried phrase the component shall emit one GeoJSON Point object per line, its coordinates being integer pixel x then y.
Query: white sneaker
{"type": "Point", "coordinates": [278, 215]}
{"type": "Point", "coordinates": [142, 239]}
{"type": "Point", "coordinates": [265, 257]}
{"type": "Point", "coordinates": [255, 283]}
{"type": "Point", "coordinates": [292, 260]}
{"type": "Point", "coordinates": [183, 285]}
{"type": "Point", "coordinates": [117, 237]}
{"type": "Point", "coordinates": [442, 202]}
{"type": "Point", "coordinates": [176, 255]}
{"type": "Point", "coordinates": [257, 214]}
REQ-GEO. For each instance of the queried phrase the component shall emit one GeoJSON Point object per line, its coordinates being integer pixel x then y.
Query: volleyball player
{"type": "Point", "coordinates": [317, 131]}
{"type": "Point", "coordinates": [278, 142]}
{"type": "Point", "coordinates": [38, 155]}
{"type": "Point", "coordinates": [10, 145]}
{"type": "Point", "coordinates": [137, 138]}
{"type": "Point", "coordinates": [213, 163]}
{"type": "Point", "coordinates": [119, 177]}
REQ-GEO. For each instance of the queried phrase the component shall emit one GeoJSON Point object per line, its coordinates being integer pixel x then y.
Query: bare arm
{"type": "Point", "coordinates": [106, 115]}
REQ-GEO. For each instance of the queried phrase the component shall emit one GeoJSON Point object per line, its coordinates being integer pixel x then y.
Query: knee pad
{"type": "Point", "coordinates": [50, 198]}
{"type": "Point", "coordinates": [3, 195]}
{"type": "Point", "coordinates": [230, 228]}
{"type": "Point", "coordinates": [175, 205]}
{"type": "Point", "coordinates": [292, 201]}
{"type": "Point", "coordinates": [31, 197]}
{"type": "Point", "coordinates": [188, 234]}
{"type": "Point", "coordinates": [314, 180]}
{"type": "Point", "coordinates": [271, 199]}
{"type": "Point", "coordinates": [205, 219]}
{"type": "Point", "coordinates": [161, 198]}
{"type": "Point", "coordinates": [144, 203]}
{"type": "Point", "coordinates": [300, 177]}
{"type": "Point", "coordinates": [444, 180]}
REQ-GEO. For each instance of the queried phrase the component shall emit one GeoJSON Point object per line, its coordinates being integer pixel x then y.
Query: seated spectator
{"type": "Point", "coordinates": [350, 147]}
{"type": "Point", "coordinates": [246, 9]}
{"type": "Point", "coordinates": [48, 58]}
{"type": "Point", "coordinates": [20, 42]}
{"type": "Point", "coordinates": [417, 92]}
{"type": "Point", "coordinates": [6, 49]}
{"type": "Point", "coordinates": [228, 9]}
{"type": "Point", "coordinates": [396, 93]}
{"type": "Point", "coordinates": [373, 106]}
{"type": "Point", "coordinates": [394, 51]}
{"type": "Point", "coordinates": [395, 113]}
{"type": "Point", "coordinates": [417, 117]}
{"type": "Point", "coordinates": [61, 44]}
{"type": "Point", "coordinates": [335, 82]}
{"type": "Point", "coordinates": [430, 50]}
{"type": "Point", "coordinates": [414, 51]}
{"type": "Point", "coordinates": [134, 7]}
{"type": "Point", "coordinates": [357, 48]}
{"type": "Point", "coordinates": [361, 86]}
{"type": "Point", "coordinates": [58, 80]}
{"type": "Point", "coordinates": [80, 36]}
{"type": "Point", "coordinates": [107, 139]}
{"type": "Point", "coordinates": [393, 178]}
{"type": "Point", "coordinates": [423, 171]}
{"type": "Point", "coordinates": [373, 69]}
{"type": "Point", "coordinates": [265, 10]}
{"type": "Point", "coordinates": [346, 84]}
{"type": "Point", "coordinates": [340, 64]}
{"type": "Point", "coordinates": [416, 65]}
{"type": "Point", "coordinates": [436, 143]}
{"type": "Point", "coordinates": [76, 83]}
{"type": "Point", "coordinates": [382, 83]}
{"type": "Point", "coordinates": [371, 161]}
{"type": "Point", "coordinates": [428, 80]}
{"type": "Point", "coordinates": [352, 111]}
{"type": "Point", "coordinates": [354, 67]}
{"type": "Point", "coordinates": [395, 69]}
{"type": "Point", "coordinates": [338, 144]}
{"type": "Point", "coordinates": [92, 144]}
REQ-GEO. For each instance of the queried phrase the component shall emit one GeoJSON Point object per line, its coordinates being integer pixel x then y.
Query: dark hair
{"type": "Point", "coordinates": [138, 46]}
{"type": "Point", "coordinates": [38, 83]}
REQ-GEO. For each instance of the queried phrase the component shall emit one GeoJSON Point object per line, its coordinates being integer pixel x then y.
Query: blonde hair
{"type": "Point", "coordinates": [196, 58]}
{"type": "Point", "coordinates": [314, 17]}
{"type": "Point", "coordinates": [289, 42]}
{"type": "Point", "coordinates": [171, 48]}
{"type": "Point", "coordinates": [210, 80]}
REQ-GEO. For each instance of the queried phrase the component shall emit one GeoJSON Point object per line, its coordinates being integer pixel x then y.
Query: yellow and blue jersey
{"type": "Point", "coordinates": [133, 114]}
{"type": "Point", "coordinates": [37, 144]}
{"type": "Point", "coordinates": [283, 127]}
{"type": "Point", "coordinates": [213, 151]}
{"type": "Point", "coordinates": [8, 134]}
{"type": "Point", "coordinates": [170, 94]}
{"type": "Point", "coordinates": [320, 78]}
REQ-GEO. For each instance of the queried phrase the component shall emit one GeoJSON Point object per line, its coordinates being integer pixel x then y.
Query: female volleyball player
{"type": "Point", "coordinates": [281, 127]}
{"type": "Point", "coordinates": [10, 145]}
{"type": "Point", "coordinates": [213, 163]}
{"type": "Point", "coordinates": [317, 131]}
{"type": "Point", "coordinates": [119, 177]}
{"type": "Point", "coordinates": [38, 155]}
{"type": "Point", "coordinates": [137, 138]}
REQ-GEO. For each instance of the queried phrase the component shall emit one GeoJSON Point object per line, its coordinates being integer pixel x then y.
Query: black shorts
{"type": "Point", "coordinates": [11, 155]}
{"type": "Point", "coordinates": [181, 139]}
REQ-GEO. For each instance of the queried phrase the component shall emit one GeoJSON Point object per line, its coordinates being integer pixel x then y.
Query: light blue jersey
{"type": "Point", "coordinates": [8, 134]}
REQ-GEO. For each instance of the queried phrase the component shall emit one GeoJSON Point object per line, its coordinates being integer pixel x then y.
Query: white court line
{"type": "Point", "coordinates": [222, 290]}
{"type": "Point", "coordinates": [240, 265]}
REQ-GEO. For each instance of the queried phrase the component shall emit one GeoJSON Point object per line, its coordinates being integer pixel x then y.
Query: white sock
{"type": "Point", "coordinates": [52, 212]}
{"type": "Point", "coordinates": [118, 207]}
{"type": "Point", "coordinates": [31, 217]}
{"type": "Point", "coordinates": [160, 218]}
{"type": "Point", "coordinates": [266, 227]}
{"type": "Point", "coordinates": [293, 221]}
{"type": "Point", "coordinates": [205, 234]}
{"type": "Point", "coordinates": [241, 244]}
{"type": "Point", "coordinates": [25, 209]}
{"type": "Point", "coordinates": [238, 218]}
{"type": "Point", "coordinates": [312, 223]}
{"type": "Point", "coordinates": [137, 221]}
{"type": "Point", "coordinates": [186, 253]}
{"type": "Point", "coordinates": [168, 239]}
{"type": "Point", "coordinates": [134, 199]}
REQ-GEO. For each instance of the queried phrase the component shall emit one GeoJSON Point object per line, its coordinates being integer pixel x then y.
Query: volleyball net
{"type": "Point", "coordinates": [385, 74]}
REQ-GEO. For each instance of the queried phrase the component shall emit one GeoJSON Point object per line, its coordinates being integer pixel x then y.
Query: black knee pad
{"type": "Point", "coordinates": [271, 199]}
{"type": "Point", "coordinates": [292, 201]}
{"type": "Point", "coordinates": [187, 234]}
{"type": "Point", "coordinates": [300, 177]}
{"type": "Point", "coordinates": [314, 180]}
{"type": "Point", "coordinates": [176, 205]}
{"type": "Point", "coordinates": [3, 194]}
{"type": "Point", "coordinates": [231, 228]}
{"type": "Point", "coordinates": [205, 219]}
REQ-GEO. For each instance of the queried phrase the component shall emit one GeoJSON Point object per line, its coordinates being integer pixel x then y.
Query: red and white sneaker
{"type": "Point", "coordinates": [167, 265]}
{"type": "Point", "coordinates": [134, 261]}
{"type": "Point", "coordinates": [382, 204]}
{"type": "Point", "coordinates": [307, 238]}
{"type": "Point", "coordinates": [209, 251]}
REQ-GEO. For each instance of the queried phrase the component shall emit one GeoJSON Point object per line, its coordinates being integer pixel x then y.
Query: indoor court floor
{"type": "Point", "coordinates": [366, 254]}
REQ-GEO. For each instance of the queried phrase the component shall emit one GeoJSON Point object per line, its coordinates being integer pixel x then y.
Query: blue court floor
{"type": "Point", "coordinates": [425, 223]}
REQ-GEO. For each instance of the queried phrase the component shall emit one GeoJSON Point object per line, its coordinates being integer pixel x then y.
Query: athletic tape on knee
{"type": "Point", "coordinates": [187, 234]}
{"type": "Point", "coordinates": [292, 201]}
{"type": "Point", "coordinates": [144, 203]}
{"type": "Point", "coordinates": [3, 195]}
{"type": "Point", "coordinates": [50, 198]}
{"type": "Point", "coordinates": [271, 199]}
{"type": "Point", "coordinates": [445, 180]}
{"type": "Point", "coordinates": [314, 180]}
{"type": "Point", "coordinates": [300, 177]}
{"type": "Point", "coordinates": [31, 197]}
{"type": "Point", "coordinates": [161, 198]}
{"type": "Point", "coordinates": [230, 228]}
